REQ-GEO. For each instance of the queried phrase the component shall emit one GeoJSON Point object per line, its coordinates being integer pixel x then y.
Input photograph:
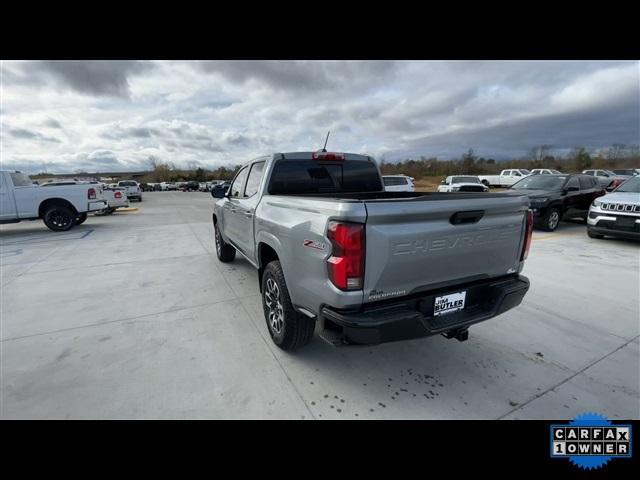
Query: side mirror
{"type": "Point", "coordinates": [217, 192]}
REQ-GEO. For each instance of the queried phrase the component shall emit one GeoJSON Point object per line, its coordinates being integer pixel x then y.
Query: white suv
{"type": "Point", "coordinates": [617, 214]}
{"type": "Point", "coordinates": [398, 183]}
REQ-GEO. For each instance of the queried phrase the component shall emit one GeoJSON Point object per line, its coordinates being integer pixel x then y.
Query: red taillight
{"type": "Point", "coordinates": [346, 263]}
{"type": "Point", "coordinates": [91, 194]}
{"type": "Point", "coordinates": [327, 156]}
{"type": "Point", "coordinates": [528, 235]}
{"type": "Point", "coordinates": [117, 195]}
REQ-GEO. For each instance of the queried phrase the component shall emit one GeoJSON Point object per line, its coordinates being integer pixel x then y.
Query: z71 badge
{"type": "Point", "coordinates": [312, 244]}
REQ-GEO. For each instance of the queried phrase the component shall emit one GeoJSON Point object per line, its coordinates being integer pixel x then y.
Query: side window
{"type": "Point", "coordinates": [20, 180]}
{"type": "Point", "coordinates": [238, 183]}
{"type": "Point", "coordinates": [586, 183]}
{"type": "Point", "coordinates": [253, 182]}
{"type": "Point", "coordinates": [588, 172]}
{"type": "Point", "coordinates": [573, 182]}
{"type": "Point", "coordinates": [507, 173]}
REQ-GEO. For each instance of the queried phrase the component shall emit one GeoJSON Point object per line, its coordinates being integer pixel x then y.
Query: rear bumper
{"type": "Point", "coordinates": [99, 205]}
{"type": "Point", "coordinates": [413, 317]}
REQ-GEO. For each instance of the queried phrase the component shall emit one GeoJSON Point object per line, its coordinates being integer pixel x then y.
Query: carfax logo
{"type": "Point", "coordinates": [590, 440]}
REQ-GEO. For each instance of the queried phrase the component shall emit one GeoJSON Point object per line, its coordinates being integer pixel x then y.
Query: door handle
{"type": "Point", "coordinates": [248, 214]}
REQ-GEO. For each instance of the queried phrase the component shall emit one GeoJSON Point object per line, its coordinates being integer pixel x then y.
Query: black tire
{"type": "Point", "coordinates": [288, 328]}
{"type": "Point", "coordinates": [551, 220]}
{"type": "Point", "coordinates": [225, 252]}
{"type": "Point", "coordinates": [485, 183]}
{"type": "Point", "coordinates": [59, 218]}
{"type": "Point", "coordinates": [81, 218]}
{"type": "Point", "coordinates": [593, 234]}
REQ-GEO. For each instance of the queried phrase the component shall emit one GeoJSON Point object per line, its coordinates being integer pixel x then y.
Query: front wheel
{"type": "Point", "coordinates": [225, 252]}
{"type": "Point", "coordinates": [288, 328]}
{"type": "Point", "coordinates": [551, 220]}
{"type": "Point", "coordinates": [59, 218]}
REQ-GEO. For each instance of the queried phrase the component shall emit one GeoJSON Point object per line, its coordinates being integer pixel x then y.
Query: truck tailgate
{"type": "Point", "coordinates": [446, 239]}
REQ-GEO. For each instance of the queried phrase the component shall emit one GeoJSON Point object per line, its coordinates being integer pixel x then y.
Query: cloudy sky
{"type": "Point", "coordinates": [112, 115]}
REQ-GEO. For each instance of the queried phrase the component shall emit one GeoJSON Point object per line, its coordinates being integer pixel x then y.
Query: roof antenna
{"type": "Point", "coordinates": [324, 149]}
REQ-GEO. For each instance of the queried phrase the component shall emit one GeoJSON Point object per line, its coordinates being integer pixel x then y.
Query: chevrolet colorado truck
{"type": "Point", "coordinates": [61, 205]}
{"type": "Point", "coordinates": [337, 253]}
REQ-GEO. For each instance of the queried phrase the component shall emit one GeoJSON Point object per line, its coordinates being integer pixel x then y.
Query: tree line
{"type": "Point", "coordinates": [580, 158]}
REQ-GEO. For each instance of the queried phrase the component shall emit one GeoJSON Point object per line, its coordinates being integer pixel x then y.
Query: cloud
{"type": "Point", "coordinates": [52, 123]}
{"type": "Point", "coordinates": [95, 77]}
{"type": "Point", "coordinates": [98, 115]}
{"type": "Point", "coordinates": [25, 134]}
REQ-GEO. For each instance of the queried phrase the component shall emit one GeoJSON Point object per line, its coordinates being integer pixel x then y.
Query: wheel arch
{"type": "Point", "coordinates": [49, 202]}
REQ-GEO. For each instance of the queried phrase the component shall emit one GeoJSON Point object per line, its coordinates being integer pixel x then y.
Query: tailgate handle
{"type": "Point", "coordinates": [470, 216]}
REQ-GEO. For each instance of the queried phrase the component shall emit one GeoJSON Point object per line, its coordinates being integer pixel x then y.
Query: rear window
{"type": "Point", "coordinates": [394, 181]}
{"type": "Point", "coordinates": [128, 184]}
{"type": "Point", "coordinates": [465, 180]}
{"type": "Point", "coordinates": [299, 177]}
{"type": "Point", "coordinates": [587, 183]}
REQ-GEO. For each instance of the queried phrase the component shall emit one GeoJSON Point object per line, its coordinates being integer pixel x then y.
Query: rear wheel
{"type": "Point", "coordinates": [224, 251]}
{"type": "Point", "coordinates": [288, 328]}
{"type": "Point", "coordinates": [81, 218]}
{"type": "Point", "coordinates": [59, 218]}
{"type": "Point", "coordinates": [485, 183]}
{"type": "Point", "coordinates": [551, 220]}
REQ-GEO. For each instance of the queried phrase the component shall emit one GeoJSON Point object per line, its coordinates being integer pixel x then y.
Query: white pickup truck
{"type": "Point", "coordinates": [506, 177]}
{"type": "Point", "coordinates": [59, 206]}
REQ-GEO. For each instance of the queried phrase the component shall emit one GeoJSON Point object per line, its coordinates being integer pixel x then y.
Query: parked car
{"type": "Point", "coordinates": [631, 172]}
{"type": "Point", "coordinates": [462, 183]}
{"type": "Point", "coordinates": [61, 205]}
{"type": "Point", "coordinates": [332, 246]}
{"type": "Point", "coordinates": [116, 198]}
{"type": "Point", "coordinates": [190, 187]}
{"type": "Point", "coordinates": [617, 214]}
{"type": "Point", "coordinates": [607, 178]}
{"type": "Point", "coordinates": [554, 197]}
{"type": "Point", "coordinates": [398, 183]}
{"type": "Point", "coordinates": [133, 189]}
{"type": "Point", "coordinates": [220, 187]}
{"type": "Point", "coordinates": [545, 171]}
{"type": "Point", "coordinates": [506, 177]}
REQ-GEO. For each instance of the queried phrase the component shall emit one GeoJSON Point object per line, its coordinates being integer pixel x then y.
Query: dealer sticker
{"type": "Point", "coordinates": [449, 303]}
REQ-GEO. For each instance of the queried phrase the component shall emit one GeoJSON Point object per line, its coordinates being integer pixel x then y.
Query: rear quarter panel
{"type": "Point", "coordinates": [295, 227]}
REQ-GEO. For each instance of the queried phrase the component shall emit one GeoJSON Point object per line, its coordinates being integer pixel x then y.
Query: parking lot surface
{"type": "Point", "coordinates": [132, 316]}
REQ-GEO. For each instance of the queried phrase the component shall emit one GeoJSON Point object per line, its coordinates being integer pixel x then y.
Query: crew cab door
{"type": "Point", "coordinates": [7, 203]}
{"type": "Point", "coordinates": [246, 205]}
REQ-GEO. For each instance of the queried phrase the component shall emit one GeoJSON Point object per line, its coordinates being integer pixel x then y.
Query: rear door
{"type": "Point", "coordinates": [415, 245]}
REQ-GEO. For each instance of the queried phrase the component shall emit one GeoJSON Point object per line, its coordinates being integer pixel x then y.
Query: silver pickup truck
{"type": "Point", "coordinates": [337, 253]}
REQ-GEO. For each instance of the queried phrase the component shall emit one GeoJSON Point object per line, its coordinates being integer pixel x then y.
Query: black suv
{"type": "Point", "coordinates": [556, 196]}
{"type": "Point", "coordinates": [190, 187]}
